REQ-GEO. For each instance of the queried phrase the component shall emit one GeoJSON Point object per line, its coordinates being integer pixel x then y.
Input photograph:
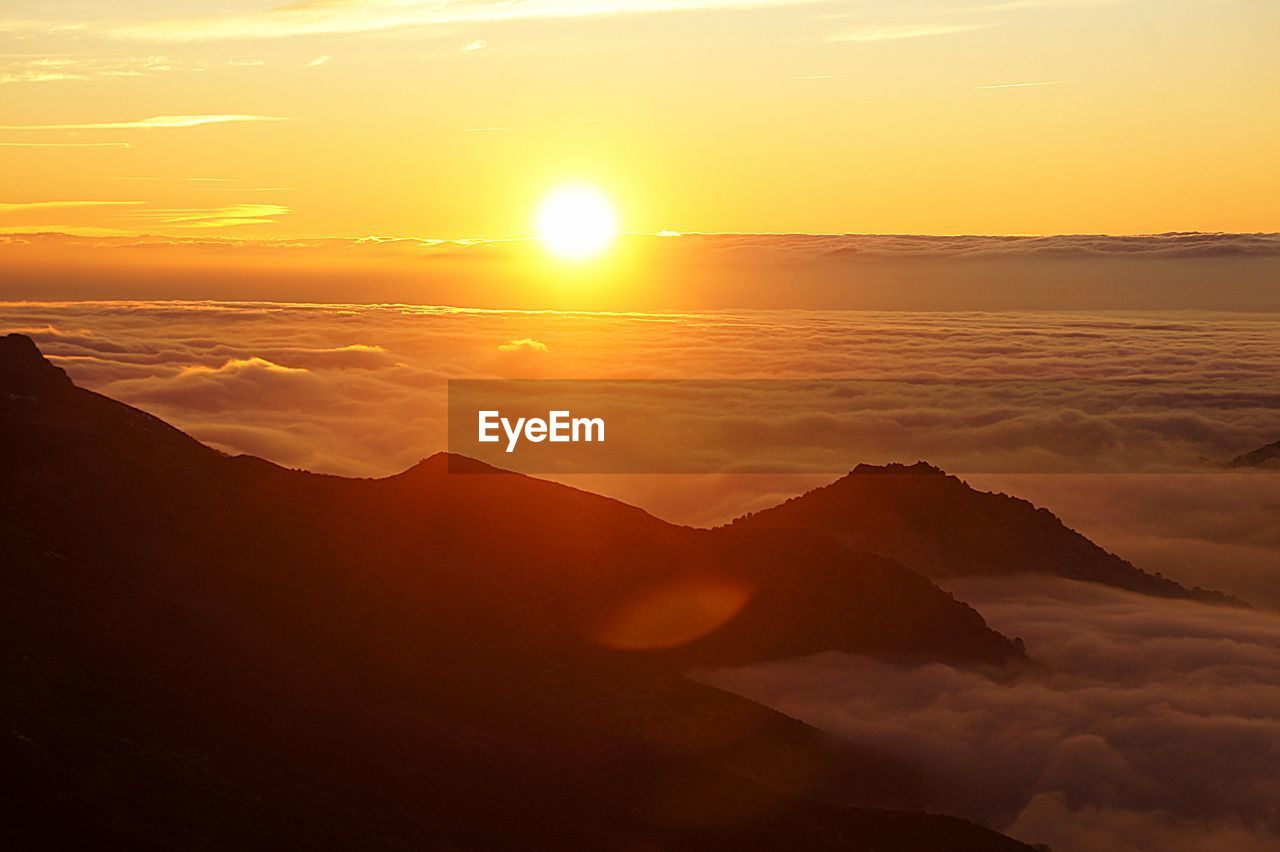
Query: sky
{"type": "Point", "coordinates": [450, 120]}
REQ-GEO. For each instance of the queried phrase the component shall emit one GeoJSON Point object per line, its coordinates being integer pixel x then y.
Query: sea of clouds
{"type": "Point", "coordinates": [361, 390]}
{"type": "Point", "coordinates": [1152, 724]}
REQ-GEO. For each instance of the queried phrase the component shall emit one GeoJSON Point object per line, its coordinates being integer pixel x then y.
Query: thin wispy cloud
{"type": "Point", "coordinates": [27, 206]}
{"type": "Point", "coordinates": [319, 60]}
{"type": "Point", "coordinates": [335, 17]}
{"type": "Point", "coordinates": [64, 228]}
{"type": "Point", "coordinates": [158, 121]}
{"type": "Point", "coordinates": [328, 17]}
{"type": "Point", "coordinates": [207, 184]}
{"type": "Point", "coordinates": [192, 179]}
{"type": "Point", "coordinates": [65, 144]}
{"type": "Point", "coordinates": [216, 217]}
{"type": "Point", "coordinates": [37, 77]}
{"type": "Point", "coordinates": [478, 44]}
{"type": "Point", "coordinates": [1022, 85]}
{"type": "Point", "coordinates": [896, 32]}
{"type": "Point", "coordinates": [46, 69]}
{"type": "Point", "coordinates": [1016, 5]}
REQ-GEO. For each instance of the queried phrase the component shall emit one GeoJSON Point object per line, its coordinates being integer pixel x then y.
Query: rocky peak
{"type": "Point", "coordinates": [24, 370]}
{"type": "Point", "coordinates": [917, 468]}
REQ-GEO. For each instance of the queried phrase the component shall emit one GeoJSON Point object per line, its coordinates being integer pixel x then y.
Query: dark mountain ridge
{"type": "Point", "coordinates": [203, 651]}
{"type": "Point", "coordinates": [1266, 456]}
{"type": "Point", "coordinates": [941, 527]}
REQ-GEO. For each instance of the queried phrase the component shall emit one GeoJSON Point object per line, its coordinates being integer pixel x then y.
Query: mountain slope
{"type": "Point", "coordinates": [1266, 456]}
{"type": "Point", "coordinates": [941, 527]}
{"type": "Point", "coordinates": [207, 651]}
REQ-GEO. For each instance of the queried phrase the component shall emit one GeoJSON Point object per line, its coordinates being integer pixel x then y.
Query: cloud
{"type": "Point", "coordinates": [1153, 723]}
{"type": "Point", "coordinates": [217, 217]}
{"type": "Point", "coordinates": [895, 32]}
{"type": "Point", "coordinates": [66, 145]}
{"type": "Point", "coordinates": [524, 343]}
{"type": "Point", "coordinates": [65, 228]}
{"type": "Point", "coordinates": [1166, 245]}
{"type": "Point", "coordinates": [286, 446]}
{"type": "Point", "coordinates": [745, 251]}
{"type": "Point", "coordinates": [236, 366]}
{"type": "Point", "coordinates": [38, 77]}
{"type": "Point", "coordinates": [210, 184]}
{"type": "Point", "coordinates": [478, 44]}
{"type": "Point", "coordinates": [36, 214]}
{"type": "Point", "coordinates": [1215, 530]}
{"type": "Point", "coordinates": [54, 68]}
{"type": "Point", "coordinates": [25, 206]}
{"type": "Point", "coordinates": [230, 384]}
{"type": "Point", "coordinates": [970, 392]}
{"type": "Point", "coordinates": [319, 60]}
{"type": "Point", "coordinates": [191, 179]}
{"type": "Point", "coordinates": [373, 398]}
{"type": "Point", "coordinates": [1018, 5]}
{"type": "Point", "coordinates": [326, 17]}
{"type": "Point", "coordinates": [158, 121]}
{"type": "Point", "coordinates": [1023, 85]}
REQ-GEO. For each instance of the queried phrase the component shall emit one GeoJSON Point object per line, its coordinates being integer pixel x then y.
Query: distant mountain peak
{"type": "Point", "coordinates": [1265, 456]}
{"type": "Point", "coordinates": [937, 524]}
{"type": "Point", "coordinates": [446, 462]}
{"type": "Point", "coordinates": [894, 467]}
{"type": "Point", "coordinates": [23, 369]}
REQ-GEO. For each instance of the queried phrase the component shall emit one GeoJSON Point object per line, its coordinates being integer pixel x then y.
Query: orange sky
{"type": "Point", "coordinates": [450, 119]}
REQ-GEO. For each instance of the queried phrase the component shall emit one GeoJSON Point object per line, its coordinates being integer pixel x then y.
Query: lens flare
{"type": "Point", "coordinates": [674, 614]}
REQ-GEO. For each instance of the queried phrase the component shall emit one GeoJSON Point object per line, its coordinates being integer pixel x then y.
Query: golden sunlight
{"type": "Point", "coordinates": [576, 222]}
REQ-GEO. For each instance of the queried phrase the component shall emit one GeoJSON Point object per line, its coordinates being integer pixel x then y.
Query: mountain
{"type": "Point", "coordinates": [940, 526]}
{"type": "Point", "coordinates": [208, 651]}
{"type": "Point", "coordinates": [1267, 456]}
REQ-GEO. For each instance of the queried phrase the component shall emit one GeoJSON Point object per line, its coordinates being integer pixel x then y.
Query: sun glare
{"type": "Point", "coordinates": [576, 222]}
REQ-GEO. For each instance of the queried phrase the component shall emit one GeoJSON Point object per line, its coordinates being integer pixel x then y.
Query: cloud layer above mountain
{"type": "Point", "coordinates": [1154, 725]}
{"type": "Point", "coordinates": [362, 390]}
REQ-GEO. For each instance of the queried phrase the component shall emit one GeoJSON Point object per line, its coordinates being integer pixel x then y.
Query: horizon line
{"type": "Point", "coordinates": [664, 234]}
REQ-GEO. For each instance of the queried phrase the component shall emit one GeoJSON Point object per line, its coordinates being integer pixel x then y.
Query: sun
{"type": "Point", "coordinates": [576, 222]}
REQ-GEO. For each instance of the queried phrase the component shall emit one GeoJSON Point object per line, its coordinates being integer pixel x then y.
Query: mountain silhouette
{"type": "Point", "coordinates": [202, 650]}
{"type": "Point", "coordinates": [1267, 456]}
{"type": "Point", "coordinates": [940, 526]}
